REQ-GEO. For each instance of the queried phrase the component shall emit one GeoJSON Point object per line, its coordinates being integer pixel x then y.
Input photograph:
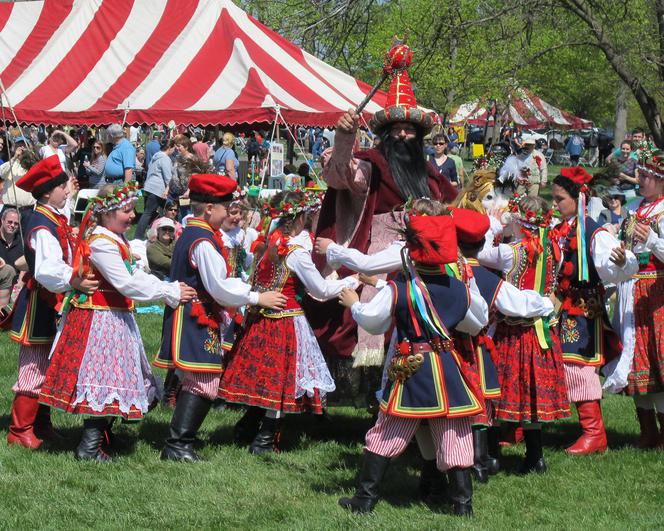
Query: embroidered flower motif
{"type": "Point", "coordinates": [569, 331]}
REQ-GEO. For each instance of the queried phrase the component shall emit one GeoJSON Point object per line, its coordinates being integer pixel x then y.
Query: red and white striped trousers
{"type": "Point", "coordinates": [582, 383]}
{"type": "Point", "coordinates": [203, 384]}
{"type": "Point", "coordinates": [32, 365]}
{"type": "Point", "coordinates": [453, 439]}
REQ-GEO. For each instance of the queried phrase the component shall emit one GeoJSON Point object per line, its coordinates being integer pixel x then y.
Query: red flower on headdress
{"type": "Point", "coordinates": [577, 175]}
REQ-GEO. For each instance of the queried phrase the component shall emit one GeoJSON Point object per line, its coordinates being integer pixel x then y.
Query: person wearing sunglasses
{"type": "Point", "coordinates": [444, 164]}
{"type": "Point", "coordinates": [614, 213]}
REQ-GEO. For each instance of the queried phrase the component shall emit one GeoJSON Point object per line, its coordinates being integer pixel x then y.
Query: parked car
{"type": "Point", "coordinates": [532, 134]}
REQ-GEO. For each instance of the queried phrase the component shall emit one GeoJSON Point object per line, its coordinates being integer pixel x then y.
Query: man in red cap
{"type": "Point", "coordinates": [507, 300]}
{"type": "Point", "coordinates": [193, 333]}
{"type": "Point", "coordinates": [48, 254]}
{"type": "Point", "coordinates": [364, 190]}
{"type": "Point", "coordinates": [426, 380]}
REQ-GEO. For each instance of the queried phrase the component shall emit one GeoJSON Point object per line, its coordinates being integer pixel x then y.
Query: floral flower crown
{"type": "Point", "coordinates": [492, 161]}
{"type": "Point", "coordinates": [653, 165]}
{"type": "Point", "coordinates": [122, 195]}
{"type": "Point", "coordinates": [311, 202]}
{"type": "Point", "coordinates": [528, 217]}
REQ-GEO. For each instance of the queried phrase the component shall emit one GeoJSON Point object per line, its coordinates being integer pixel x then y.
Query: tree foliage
{"type": "Point", "coordinates": [573, 53]}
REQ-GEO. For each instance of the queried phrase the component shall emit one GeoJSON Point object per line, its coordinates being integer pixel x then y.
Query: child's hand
{"type": "Point", "coordinates": [87, 285]}
{"type": "Point", "coordinates": [187, 293]}
{"type": "Point", "coordinates": [348, 297]}
{"type": "Point", "coordinates": [371, 280]}
{"type": "Point", "coordinates": [321, 245]}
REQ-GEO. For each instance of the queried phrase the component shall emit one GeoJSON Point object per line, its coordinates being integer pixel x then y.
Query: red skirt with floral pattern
{"type": "Point", "coordinates": [261, 368]}
{"type": "Point", "coordinates": [532, 380]}
{"type": "Point", "coordinates": [647, 375]}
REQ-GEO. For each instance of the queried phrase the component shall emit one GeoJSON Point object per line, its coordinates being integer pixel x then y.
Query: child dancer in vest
{"type": "Point", "coordinates": [590, 256]}
{"type": "Point", "coordinates": [503, 300]}
{"type": "Point", "coordinates": [98, 367]}
{"type": "Point", "coordinates": [276, 364]}
{"type": "Point", "coordinates": [639, 309]}
{"type": "Point", "coordinates": [529, 358]}
{"type": "Point", "coordinates": [48, 254]}
{"type": "Point", "coordinates": [192, 334]}
{"type": "Point", "coordinates": [426, 376]}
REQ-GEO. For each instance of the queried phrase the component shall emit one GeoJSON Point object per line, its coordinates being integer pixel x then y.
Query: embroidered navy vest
{"type": "Point", "coordinates": [439, 387]}
{"type": "Point", "coordinates": [584, 328]}
{"type": "Point", "coordinates": [34, 316]}
{"type": "Point", "coordinates": [191, 335]}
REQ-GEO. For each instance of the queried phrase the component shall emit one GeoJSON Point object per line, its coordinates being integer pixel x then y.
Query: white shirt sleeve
{"type": "Point", "coordinates": [137, 285]}
{"type": "Point", "coordinates": [51, 270]}
{"type": "Point", "coordinates": [655, 244]}
{"type": "Point", "coordinates": [477, 316]}
{"type": "Point", "coordinates": [527, 303]}
{"type": "Point", "coordinates": [231, 292]}
{"type": "Point", "coordinates": [500, 257]}
{"type": "Point", "coordinates": [299, 262]}
{"type": "Point", "coordinates": [385, 261]}
{"type": "Point", "coordinates": [375, 316]}
{"type": "Point", "coordinates": [602, 245]}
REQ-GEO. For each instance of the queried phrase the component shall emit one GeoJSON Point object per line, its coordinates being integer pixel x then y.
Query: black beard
{"type": "Point", "coordinates": [407, 164]}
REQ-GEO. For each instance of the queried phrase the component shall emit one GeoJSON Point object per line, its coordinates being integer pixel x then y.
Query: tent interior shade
{"type": "Point", "coordinates": [196, 62]}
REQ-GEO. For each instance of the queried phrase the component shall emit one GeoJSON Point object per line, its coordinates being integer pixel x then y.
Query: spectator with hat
{"type": "Point", "coordinates": [160, 251]}
{"type": "Point", "coordinates": [612, 217]}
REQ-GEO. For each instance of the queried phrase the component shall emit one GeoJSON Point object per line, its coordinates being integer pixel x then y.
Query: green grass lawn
{"type": "Point", "coordinates": [299, 488]}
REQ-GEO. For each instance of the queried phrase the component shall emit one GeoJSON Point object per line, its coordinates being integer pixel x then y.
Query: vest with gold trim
{"type": "Point", "coordinates": [489, 285]}
{"type": "Point", "coordinates": [192, 333]}
{"type": "Point", "coordinates": [36, 309]}
{"type": "Point", "coordinates": [438, 388]}
{"type": "Point", "coordinates": [107, 297]}
{"type": "Point", "coordinates": [586, 336]}
{"type": "Point", "coordinates": [274, 275]}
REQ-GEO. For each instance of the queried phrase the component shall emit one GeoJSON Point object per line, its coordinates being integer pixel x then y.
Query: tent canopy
{"type": "Point", "coordinates": [524, 109]}
{"type": "Point", "coordinates": [191, 61]}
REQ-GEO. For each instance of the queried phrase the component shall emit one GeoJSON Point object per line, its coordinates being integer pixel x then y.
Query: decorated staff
{"type": "Point", "coordinates": [590, 256]}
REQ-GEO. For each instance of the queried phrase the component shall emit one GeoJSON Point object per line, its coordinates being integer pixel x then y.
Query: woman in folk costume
{"type": "Point", "coordinates": [238, 240]}
{"type": "Point", "coordinates": [192, 334]}
{"type": "Point", "coordinates": [276, 364]}
{"type": "Point", "coordinates": [426, 376]}
{"type": "Point", "coordinates": [590, 256]}
{"type": "Point", "coordinates": [529, 358]}
{"type": "Point", "coordinates": [639, 309]}
{"type": "Point", "coordinates": [503, 300]}
{"type": "Point", "coordinates": [48, 252]}
{"type": "Point", "coordinates": [98, 365]}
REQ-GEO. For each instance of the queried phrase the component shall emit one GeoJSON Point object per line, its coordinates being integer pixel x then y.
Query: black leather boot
{"type": "Point", "coordinates": [247, 427]}
{"type": "Point", "coordinates": [433, 484]}
{"type": "Point", "coordinates": [44, 428]}
{"type": "Point", "coordinates": [534, 460]}
{"type": "Point", "coordinates": [190, 412]}
{"type": "Point", "coordinates": [493, 446]}
{"type": "Point", "coordinates": [264, 442]}
{"type": "Point", "coordinates": [461, 491]}
{"type": "Point", "coordinates": [481, 454]}
{"type": "Point", "coordinates": [366, 495]}
{"type": "Point", "coordinates": [171, 389]}
{"type": "Point", "coordinates": [91, 440]}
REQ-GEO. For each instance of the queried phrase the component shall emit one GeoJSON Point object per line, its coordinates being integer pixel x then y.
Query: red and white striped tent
{"type": "Point", "coordinates": [191, 61]}
{"type": "Point", "coordinates": [524, 109]}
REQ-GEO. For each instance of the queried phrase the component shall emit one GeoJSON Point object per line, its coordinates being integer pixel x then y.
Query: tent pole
{"type": "Point", "coordinates": [299, 146]}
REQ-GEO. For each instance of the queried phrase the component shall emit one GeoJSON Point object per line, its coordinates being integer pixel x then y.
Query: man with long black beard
{"type": "Point", "coordinates": [361, 210]}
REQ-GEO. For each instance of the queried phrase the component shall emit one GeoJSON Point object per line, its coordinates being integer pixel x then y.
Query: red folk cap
{"type": "Point", "coordinates": [433, 240]}
{"type": "Point", "coordinates": [471, 226]}
{"type": "Point", "coordinates": [42, 173]}
{"type": "Point", "coordinates": [211, 188]}
{"type": "Point", "coordinates": [577, 175]}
